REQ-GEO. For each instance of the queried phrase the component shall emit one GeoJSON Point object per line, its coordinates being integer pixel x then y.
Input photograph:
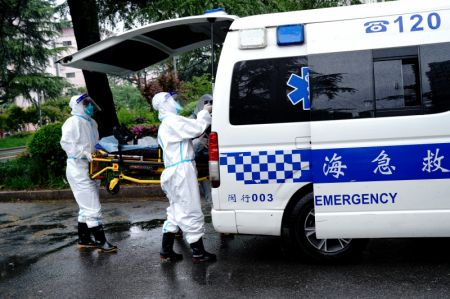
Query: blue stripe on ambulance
{"type": "Point", "coordinates": [380, 163]}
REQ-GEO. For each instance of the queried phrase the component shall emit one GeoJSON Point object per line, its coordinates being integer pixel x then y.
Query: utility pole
{"type": "Point", "coordinates": [40, 98]}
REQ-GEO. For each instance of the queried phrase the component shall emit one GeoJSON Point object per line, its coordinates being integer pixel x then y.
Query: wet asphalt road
{"type": "Point", "coordinates": [39, 259]}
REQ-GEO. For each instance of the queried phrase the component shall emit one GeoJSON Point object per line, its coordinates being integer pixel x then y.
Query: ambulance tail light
{"type": "Point", "coordinates": [214, 174]}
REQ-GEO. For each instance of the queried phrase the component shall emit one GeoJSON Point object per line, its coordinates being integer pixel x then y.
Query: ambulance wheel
{"type": "Point", "coordinates": [114, 190]}
{"type": "Point", "coordinates": [304, 243]}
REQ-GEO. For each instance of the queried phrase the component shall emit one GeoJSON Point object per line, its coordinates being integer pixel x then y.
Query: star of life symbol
{"type": "Point", "coordinates": [384, 166]}
{"type": "Point", "coordinates": [301, 88]}
{"type": "Point", "coordinates": [432, 162]}
{"type": "Point", "coordinates": [334, 166]}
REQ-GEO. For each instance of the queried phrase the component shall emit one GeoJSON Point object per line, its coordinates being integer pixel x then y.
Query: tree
{"type": "Point", "coordinates": [15, 118]}
{"type": "Point", "coordinates": [198, 62]}
{"type": "Point", "coordinates": [87, 31]}
{"type": "Point", "coordinates": [27, 29]}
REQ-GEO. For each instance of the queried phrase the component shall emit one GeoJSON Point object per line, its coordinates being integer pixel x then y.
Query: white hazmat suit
{"type": "Point", "coordinates": [179, 178]}
{"type": "Point", "coordinates": [79, 137]}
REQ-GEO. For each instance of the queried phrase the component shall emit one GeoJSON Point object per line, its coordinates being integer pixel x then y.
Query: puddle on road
{"type": "Point", "coordinates": [117, 227]}
{"type": "Point", "coordinates": [133, 228]}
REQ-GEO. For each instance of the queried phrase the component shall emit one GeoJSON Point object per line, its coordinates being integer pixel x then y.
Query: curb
{"type": "Point", "coordinates": [12, 148]}
{"type": "Point", "coordinates": [152, 192]}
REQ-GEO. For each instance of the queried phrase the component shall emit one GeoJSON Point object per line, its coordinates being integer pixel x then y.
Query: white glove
{"type": "Point", "coordinates": [88, 156]}
{"type": "Point", "coordinates": [208, 107]}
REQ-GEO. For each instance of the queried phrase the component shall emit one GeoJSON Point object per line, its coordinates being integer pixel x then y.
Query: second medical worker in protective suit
{"type": "Point", "coordinates": [79, 137]}
{"type": "Point", "coordinates": [179, 178]}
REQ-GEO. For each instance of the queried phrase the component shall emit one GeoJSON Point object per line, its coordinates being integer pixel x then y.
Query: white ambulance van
{"type": "Point", "coordinates": [330, 126]}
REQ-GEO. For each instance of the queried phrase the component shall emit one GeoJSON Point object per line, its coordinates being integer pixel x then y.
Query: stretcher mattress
{"type": "Point", "coordinates": [147, 147]}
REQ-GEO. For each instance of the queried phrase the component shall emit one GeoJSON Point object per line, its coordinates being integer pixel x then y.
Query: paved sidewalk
{"type": "Point", "coordinates": [126, 192]}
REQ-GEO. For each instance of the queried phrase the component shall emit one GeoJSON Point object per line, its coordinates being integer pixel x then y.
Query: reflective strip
{"type": "Point", "coordinates": [75, 158]}
{"type": "Point", "coordinates": [180, 162]}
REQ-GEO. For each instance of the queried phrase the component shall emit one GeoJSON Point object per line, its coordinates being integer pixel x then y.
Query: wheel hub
{"type": "Point", "coordinates": [324, 245]}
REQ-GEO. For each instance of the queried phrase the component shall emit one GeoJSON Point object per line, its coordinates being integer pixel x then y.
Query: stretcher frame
{"type": "Point", "coordinates": [113, 168]}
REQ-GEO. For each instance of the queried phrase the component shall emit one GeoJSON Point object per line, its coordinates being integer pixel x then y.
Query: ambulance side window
{"type": "Point", "coordinates": [341, 85]}
{"type": "Point", "coordinates": [259, 92]}
{"type": "Point", "coordinates": [410, 80]}
{"type": "Point", "coordinates": [435, 74]}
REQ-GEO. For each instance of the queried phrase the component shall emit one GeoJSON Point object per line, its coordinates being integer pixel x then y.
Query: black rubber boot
{"type": "Point", "coordinates": [199, 254]}
{"type": "Point", "coordinates": [100, 240]}
{"type": "Point", "coordinates": [84, 236]}
{"type": "Point", "coordinates": [167, 254]}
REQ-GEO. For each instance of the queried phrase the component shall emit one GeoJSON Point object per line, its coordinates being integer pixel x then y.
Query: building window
{"type": "Point", "coordinates": [70, 75]}
{"type": "Point", "coordinates": [67, 43]}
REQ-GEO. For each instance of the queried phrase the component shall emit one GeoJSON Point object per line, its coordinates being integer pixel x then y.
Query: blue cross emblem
{"type": "Point", "coordinates": [301, 88]}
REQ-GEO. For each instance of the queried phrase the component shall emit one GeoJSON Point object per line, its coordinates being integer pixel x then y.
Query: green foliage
{"type": "Point", "coordinates": [135, 11]}
{"type": "Point", "coordinates": [15, 118]}
{"type": "Point", "coordinates": [27, 30]}
{"type": "Point", "coordinates": [3, 125]}
{"type": "Point", "coordinates": [125, 116]}
{"type": "Point", "coordinates": [44, 166]}
{"type": "Point", "coordinates": [19, 174]}
{"type": "Point", "coordinates": [56, 110]}
{"type": "Point", "coordinates": [128, 96]}
{"type": "Point", "coordinates": [193, 90]}
{"type": "Point", "coordinates": [27, 173]}
{"type": "Point", "coordinates": [189, 92]}
{"type": "Point", "coordinates": [46, 151]}
{"type": "Point", "coordinates": [21, 139]}
{"type": "Point", "coordinates": [132, 108]}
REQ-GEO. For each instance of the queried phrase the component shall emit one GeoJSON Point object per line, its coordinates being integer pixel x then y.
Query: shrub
{"type": "Point", "coordinates": [20, 173]}
{"type": "Point", "coordinates": [46, 151]}
{"type": "Point", "coordinates": [142, 131]}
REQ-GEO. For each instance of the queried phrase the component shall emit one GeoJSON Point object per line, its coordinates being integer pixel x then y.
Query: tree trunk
{"type": "Point", "coordinates": [86, 29]}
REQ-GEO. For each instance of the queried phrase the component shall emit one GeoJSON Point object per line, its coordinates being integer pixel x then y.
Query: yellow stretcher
{"type": "Point", "coordinates": [113, 168]}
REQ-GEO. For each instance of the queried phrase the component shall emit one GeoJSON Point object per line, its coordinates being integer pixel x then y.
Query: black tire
{"type": "Point", "coordinates": [301, 240]}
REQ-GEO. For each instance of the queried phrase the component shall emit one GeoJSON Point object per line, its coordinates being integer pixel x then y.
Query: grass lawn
{"type": "Point", "coordinates": [16, 140]}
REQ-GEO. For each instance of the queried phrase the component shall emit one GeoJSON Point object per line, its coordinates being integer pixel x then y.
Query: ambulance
{"type": "Point", "coordinates": [330, 126]}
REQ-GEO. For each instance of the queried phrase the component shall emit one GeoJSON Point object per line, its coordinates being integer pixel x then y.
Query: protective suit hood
{"type": "Point", "coordinates": [165, 104]}
{"type": "Point", "coordinates": [76, 104]}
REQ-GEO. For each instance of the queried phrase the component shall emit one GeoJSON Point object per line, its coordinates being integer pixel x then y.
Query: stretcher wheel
{"type": "Point", "coordinates": [113, 186]}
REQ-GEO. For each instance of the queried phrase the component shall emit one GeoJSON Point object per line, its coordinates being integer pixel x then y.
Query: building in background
{"type": "Point", "coordinates": [74, 76]}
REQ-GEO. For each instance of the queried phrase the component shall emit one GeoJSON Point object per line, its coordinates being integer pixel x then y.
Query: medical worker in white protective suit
{"type": "Point", "coordinates": [179, 178]}
{"type": "Point", "coordinates": [79, 137]}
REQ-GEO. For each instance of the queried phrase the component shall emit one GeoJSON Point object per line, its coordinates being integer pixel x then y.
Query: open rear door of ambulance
{"type": "Point", "coordinates": [139, 48]}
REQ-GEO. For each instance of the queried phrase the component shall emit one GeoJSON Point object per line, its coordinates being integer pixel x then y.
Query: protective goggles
{"type": "Point", "coordinates": [86, 99]}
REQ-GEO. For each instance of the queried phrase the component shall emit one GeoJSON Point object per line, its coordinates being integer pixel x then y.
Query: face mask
{"type": "Point", "coordinates": [89, 109]}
